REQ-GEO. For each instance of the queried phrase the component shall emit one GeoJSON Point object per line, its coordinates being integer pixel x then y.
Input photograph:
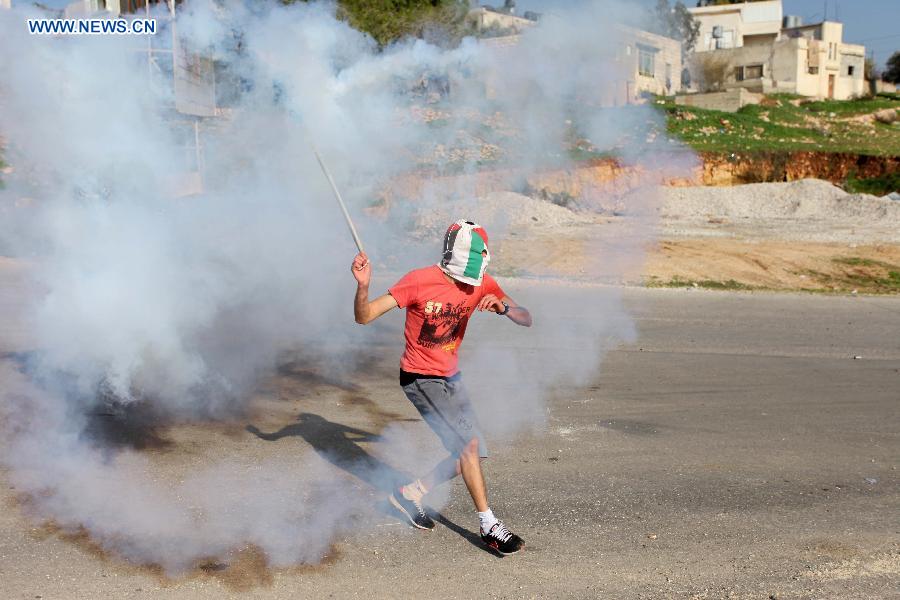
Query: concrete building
{"type": "Point", "coordinates": [736, 25]}
{"type": "Point", "coordinates": [490, 22]}
{"type": "Point", "coordinates": [645, 63]}
{"type": "Point", "coordinates": [82, 8]}
{"type": "Point", "coordinates": [651, 63]}
{"type": "Point", "coordinates": [755, 47]}
{"type": "Point", "coordinates": [828, 67]}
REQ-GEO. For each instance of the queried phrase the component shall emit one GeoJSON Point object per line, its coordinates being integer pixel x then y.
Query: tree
{"type": "Point", "coordinates": [870, 71]}
{"type": "Point", "coordinates": [390, 20]}
{"type": "Point", "coordinates": [711, 70]}
{"type": "Point", "coordinates": [892, 73]}
{"type": "Point", "coordinates": [675, 22]}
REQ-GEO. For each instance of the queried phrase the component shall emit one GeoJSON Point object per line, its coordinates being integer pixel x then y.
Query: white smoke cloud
{"type": "Point", "coordinates": [181, 303]}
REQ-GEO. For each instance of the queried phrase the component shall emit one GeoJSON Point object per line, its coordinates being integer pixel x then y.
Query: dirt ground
{"type": "Point", "coordinates": [805, 235]}
{"type": "Point", "coordinates": [605, 253]}
{"type": "Point", "coordinates": [774, 265]}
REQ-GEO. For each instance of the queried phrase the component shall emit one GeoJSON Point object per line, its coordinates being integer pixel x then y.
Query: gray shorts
{"type": "Point", "coordinates": [445, 406]}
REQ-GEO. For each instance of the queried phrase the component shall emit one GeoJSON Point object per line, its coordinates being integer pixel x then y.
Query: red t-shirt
{"type": "Point", "coordinates": [437, 312]}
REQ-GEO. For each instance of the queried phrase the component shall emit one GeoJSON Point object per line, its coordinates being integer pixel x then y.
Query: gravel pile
{"type": "Point", "coordinates": [498, 212]}
{"type": "Point", "coordinates": [810, 209]}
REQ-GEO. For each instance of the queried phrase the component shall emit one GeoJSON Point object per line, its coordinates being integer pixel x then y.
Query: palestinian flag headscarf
{"type": "Point", "coordinates": [466, 254]}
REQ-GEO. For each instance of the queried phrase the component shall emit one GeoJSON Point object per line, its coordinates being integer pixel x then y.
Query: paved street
{"type": "Point", "coordinates": [736, 448]}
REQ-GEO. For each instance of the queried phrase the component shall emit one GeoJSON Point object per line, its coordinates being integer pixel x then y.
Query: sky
{"type": "Point", "coordinates": [872, 23]}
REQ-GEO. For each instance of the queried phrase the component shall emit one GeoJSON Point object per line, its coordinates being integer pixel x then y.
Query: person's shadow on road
{"type": "Point", "coordinates": [337, 443]}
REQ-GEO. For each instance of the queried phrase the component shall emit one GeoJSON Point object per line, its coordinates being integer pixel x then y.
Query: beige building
{"type": "Point", "coordinates": [487, 22]}
{"type": "Point", "coordinates": [650, 63]}
{"type": "Point", "coordinates": [646, 64]}
{"type": "Point", "coordinates": [755, 54]}
{"type": "Point", "coordinates": [737, 25]}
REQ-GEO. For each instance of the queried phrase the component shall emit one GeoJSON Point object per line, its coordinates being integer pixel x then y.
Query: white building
{"type": "Point", "coordinates": [736, 25]}
{"type": "Point", "coordinates": [767, 52]}
{"type": "Point", "coordinates": [489, 22]}
{"type": "Point", "coordinates": [645, 63]}
{"type": "Point", "coordinates": [651, 63]}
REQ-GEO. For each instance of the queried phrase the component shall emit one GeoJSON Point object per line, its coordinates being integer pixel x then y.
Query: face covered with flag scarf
{"type": "Point", "coordinates": [466, 254]}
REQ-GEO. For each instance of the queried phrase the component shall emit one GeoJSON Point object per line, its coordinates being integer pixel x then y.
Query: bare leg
{"type": "Point", "coordinates": [470, 466]}
{"type": "Point", "coordinates": [445, 470]}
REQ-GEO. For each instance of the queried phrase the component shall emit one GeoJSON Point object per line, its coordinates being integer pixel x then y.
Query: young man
{"type": "Point", "coordinates": [439, 301]}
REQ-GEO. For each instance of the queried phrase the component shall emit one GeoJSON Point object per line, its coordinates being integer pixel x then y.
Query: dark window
{"type": "Point", "coordinates": [753, 72]}
{"type": "Point", "coordinates": [850, 70]}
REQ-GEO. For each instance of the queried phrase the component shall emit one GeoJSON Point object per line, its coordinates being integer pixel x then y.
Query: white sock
{"type": "Point", "coordinates": [487, 519]}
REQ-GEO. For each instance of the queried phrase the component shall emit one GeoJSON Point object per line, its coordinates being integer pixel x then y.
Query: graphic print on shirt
{"type": "Point", "coordinates": [442, 324]}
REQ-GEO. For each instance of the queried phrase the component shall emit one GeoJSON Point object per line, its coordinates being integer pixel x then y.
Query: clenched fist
{"type": "Point", "coordinates": [361, 269]}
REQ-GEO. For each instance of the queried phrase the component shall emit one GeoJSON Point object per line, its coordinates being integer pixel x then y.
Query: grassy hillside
{"type": "Point", "coordinates": [789, 123]}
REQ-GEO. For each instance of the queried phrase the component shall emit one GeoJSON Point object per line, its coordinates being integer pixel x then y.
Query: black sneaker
{"type": "Point", "coordinates": [502, 540]}
{"type": "Point", "coordinates": [413, 510]}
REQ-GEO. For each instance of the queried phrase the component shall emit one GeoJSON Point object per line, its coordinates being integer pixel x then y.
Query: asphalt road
{"type": "Point", "coordinates": [736, 448]}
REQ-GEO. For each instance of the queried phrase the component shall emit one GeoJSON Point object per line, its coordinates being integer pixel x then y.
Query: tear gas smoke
{"type": "Point", "coordinates": [183, 302]}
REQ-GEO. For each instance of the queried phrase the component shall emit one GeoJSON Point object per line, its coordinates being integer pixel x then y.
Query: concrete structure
{"type": "Point", "coordinates": [81, 8]}
{"type": "Point", "coordinates": [737, 25]}
{"type": "Point", "coordinates": [490, 23]}
{"type": "Point", "coordinates": [650, 63]}
{"type": "Point", "coordinates": [880, 86]}
{"type": "Point", "coordinates": [833, 69]}
{"type": "Point", "coordinates": [646, 64]}
{"type": "Point", "coordinates": [728, 101]}
{"type": "Point", "coordinates": [761, 55]}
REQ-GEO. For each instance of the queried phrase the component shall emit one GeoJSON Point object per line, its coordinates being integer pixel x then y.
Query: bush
{"type": "Point", "coordinates": [877, 186]}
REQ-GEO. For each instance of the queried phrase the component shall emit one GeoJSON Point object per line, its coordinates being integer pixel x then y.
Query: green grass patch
{"type": "Point", "coordinates": [862, 274]}
{"type": "Point", "coordinates": [707, 284]}
{"type": "Point", "coordinates": [855, 261]}
{"type": "Point", "coordinates": [781, 123]}
{"type": "Point", "coordinates": [859, 106]}
{"type": "Point", "coordinates": [878, 186]}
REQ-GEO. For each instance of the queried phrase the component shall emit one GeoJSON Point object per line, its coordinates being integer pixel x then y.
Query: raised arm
{"type": "Point", "coordinates": [363, 310]}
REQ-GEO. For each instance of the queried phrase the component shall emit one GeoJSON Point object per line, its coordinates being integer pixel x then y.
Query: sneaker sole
{"type": "Point", "coordinates": [409, 517]}
{"type": "Point", "coordinates": [513, 552]}
{"type": "Point", "coordinates": [501, 553]}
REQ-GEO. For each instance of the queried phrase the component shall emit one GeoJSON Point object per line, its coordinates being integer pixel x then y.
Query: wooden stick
{"type": "Point", "coordinates": [340, 200]}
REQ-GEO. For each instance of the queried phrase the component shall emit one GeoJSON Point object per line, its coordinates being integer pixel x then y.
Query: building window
{"type": "Point", "coordinates": [646, 61]}
{"type": "Point", "coordinates": [851, 70]}
{"type": "Point", "coordinates": [814, 70]}
{"type": "Point", "coordinates": [748, 72]}
{"type": "Point", "coordinates": [728, 39]}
